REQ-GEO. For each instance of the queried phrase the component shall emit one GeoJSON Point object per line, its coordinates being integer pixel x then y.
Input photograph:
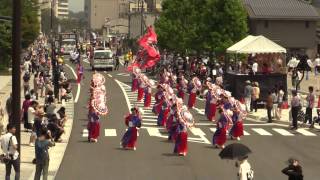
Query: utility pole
{"type": "Point", "coordinates": [55, 77]}
{"type": "Point", "coordinates": [141, 11]}
{"type": "Point", "coordinates": [16, 75]}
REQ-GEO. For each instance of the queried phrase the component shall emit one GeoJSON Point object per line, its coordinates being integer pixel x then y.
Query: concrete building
{"type": "Point", "coordinates": [61, 9]}
{"type": "Point", "coordinates": [290, 23]}
{"type": "Point", "coordinates": [100, 11]}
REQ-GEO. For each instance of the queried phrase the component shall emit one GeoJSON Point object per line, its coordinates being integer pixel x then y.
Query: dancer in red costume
{"type": "Point", "coordinates": [147, 96]}
{"type": "Point", "coordinates": [196, 83]}
{"type": "Point", "coordinates": [140, 90]}
{"type": "Point", "coordinates": [133, 121]}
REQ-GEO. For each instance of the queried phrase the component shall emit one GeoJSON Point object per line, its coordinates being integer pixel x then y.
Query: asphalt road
{"type": "Point", "coordinates": [153, 159]}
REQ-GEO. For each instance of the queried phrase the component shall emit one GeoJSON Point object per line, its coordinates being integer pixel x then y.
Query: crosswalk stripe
{"type": "Point", "coordinates": [85, 133]}
{"type": "Point", "coordinates": [283, 132]}
{"type": "Point", "coordinates": [261, 131]}
{"type": "Point", "coordinates": [150, 120]}
{"type": "Point", "coordinates": [197, 132]}
{"type": "Point", "coordinates": [154, 132]}
{"type": "Point", "coordinates": [146, 116]}
{"type": "Point", "coordinates": [110, 132]}
{"type": "Point", "coordinates": [305, 132]}
{"type": "Point", "coordinates": [244, 132]}
{"type": "Point", "coordinates": [148, 124]}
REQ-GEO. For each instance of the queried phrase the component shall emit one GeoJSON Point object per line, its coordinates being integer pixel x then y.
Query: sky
{"type": "Point", "coordinates": [76, 5]}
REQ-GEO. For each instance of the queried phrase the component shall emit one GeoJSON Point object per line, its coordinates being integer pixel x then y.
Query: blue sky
{"type": "Point", "coordinates": [76, 5]}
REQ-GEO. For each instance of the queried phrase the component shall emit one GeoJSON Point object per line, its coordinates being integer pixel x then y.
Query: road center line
{"type": "Point", "coordinates": [124, 93]}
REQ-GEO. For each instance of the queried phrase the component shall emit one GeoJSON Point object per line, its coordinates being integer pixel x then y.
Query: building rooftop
{"type": "Point", "coordinates": [281, 9]}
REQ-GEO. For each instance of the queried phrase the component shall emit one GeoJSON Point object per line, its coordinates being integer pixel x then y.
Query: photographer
{"type": "Point", "coordinates": [294, 170]}
{"type": "Point", "coordinates": [9, 146]}
{"type": "Point", "coordinates": [42, 155]}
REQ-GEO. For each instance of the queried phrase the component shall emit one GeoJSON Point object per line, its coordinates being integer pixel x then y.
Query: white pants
{"type": "Point", "coordinates": [248, 103]}
{"type": "Point", "coordinates": [274, 110]}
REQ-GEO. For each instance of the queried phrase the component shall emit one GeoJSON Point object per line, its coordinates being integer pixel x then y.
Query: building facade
{"type": "Point", "coordinates": [62, 9]}
{"type": "Point", "coordinates": [290, 23]}
{"type": "Point", "coordinates": [100, 11]}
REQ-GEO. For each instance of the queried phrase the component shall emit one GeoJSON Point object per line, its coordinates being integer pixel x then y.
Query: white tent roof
{"type": "Point", "coordinates": [256, 44]}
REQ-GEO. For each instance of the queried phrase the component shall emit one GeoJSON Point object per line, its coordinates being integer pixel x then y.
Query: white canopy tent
{"type": "Point", "coordinates": [256, 45]}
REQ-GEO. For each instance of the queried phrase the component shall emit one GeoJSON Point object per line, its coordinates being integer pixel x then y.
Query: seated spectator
{"type": "Point", "coordinates": [62, 116]}
{"type": "Point", "coordinates": [55, 129]}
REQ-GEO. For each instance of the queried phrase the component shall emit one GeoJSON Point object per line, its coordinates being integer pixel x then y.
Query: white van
{"type": "Point", "coordinates": [102, 59]}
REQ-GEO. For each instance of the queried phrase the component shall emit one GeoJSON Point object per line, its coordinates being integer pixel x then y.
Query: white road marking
{"type": "Point", "coordinates": [261, 131]}
{"type": "Point", "coordinates": [154, 132]}
{"type": "Point", "coordinates": [148, 124]}
{"type": "Point", "coordinates": [244, 132]}
{"type": "Point", "coordinates": [283, 132]}
{"type": "Point", "coordinates": [305, 132]}
{"type": "Point", "coordinates": [200, 133]}
{"type": "Point", "coordinates": [149, 120]}
{"type": "Point", "coordinates": [79, 86]}
{"type": "Point", "coordinates": [124, 93]}
{"type": "Point", "coordinates": [86, 61]}
{"type": "Point", "coordinates": [145, 116]}
{"type": "Point", "coordinates": [85, 133]}
{"type": "Point", "coordinates": [110, 132]}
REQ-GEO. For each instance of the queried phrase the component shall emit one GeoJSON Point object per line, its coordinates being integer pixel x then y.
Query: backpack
{"type": "Point", "coordinates": [250, 174]}
{"type": "Point", "coordinates": [26, 77]}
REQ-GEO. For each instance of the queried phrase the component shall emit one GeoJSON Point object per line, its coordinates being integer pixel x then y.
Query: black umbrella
{"type": "Point", "coordinates": [233, 151]}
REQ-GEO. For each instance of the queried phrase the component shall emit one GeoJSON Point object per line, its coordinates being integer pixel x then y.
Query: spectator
{"type": "Point", "coordinates": [255, 96]}
{"type": "Point", "coordinates": [40, 84]}
{"type": "Point", "coordinates": [33, 96]}
{"type": "Point", "coordinates": [26, 82]}
{"type": "Point", "coordinates": [25, 106]}
{"type": "Point", "coordinates": [117, 63]}
{"type": "Point", "coordinates": [35, 84]}
{"type": "Point", "coordinates": [1, 119]}
{"type": "Point", "coordinates": [244, 168]}
{"type": "Point", "coordinates": [62, 116]}
{"type": "Point", "coordinates": [55, 128]}
{"type": "Point", "coordinates": [269, 105]}
{"type": "Point", "coordinates": [9, 146]}
{"type": "Point", "coordinates": [50, 107]}
{"type": "Point", "coordinates": [247, 95]}
{"type": "Point", "coordinates": [255, 67]}
{"type": "Point", "coordinates": [295, 108]}
{"type": "Point", "coordinates": [9, 107]}
{"type": "Point", "coordinates": [42, 155]}
{"type": "Point", "coordinates": [280, 103]}
{"type": "Point", "coordinates": [31, 117]}
{"type": "Point", "coordinates": [310, 104]}
{"type": "Point", "coordinates": [275, 103]}
{"type": "Point", "coordinates": [294, 170]}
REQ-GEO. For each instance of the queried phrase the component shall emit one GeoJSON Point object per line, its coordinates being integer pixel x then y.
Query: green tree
{"type": "Point", "coordinates": [201, 25]}
{"type": "Point", "coordinates": [29, 27]}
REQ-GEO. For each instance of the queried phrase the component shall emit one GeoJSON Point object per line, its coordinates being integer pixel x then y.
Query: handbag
{"type": "Point", "coordinates": [5, 158]}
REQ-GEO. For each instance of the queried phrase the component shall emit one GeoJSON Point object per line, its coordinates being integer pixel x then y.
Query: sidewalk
{"type": "Point", "coordinates": [27, 169]}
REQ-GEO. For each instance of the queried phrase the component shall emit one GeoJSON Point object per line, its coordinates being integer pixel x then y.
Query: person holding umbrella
{"type": "Point", "coordinates": [245, 172]}
{"type": "Point", "coordinates": [294, 170]}
{"type": "Point", "coordinates": [240, 153]}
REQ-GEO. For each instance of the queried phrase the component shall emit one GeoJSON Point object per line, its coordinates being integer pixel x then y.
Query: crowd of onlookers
{"type": "Point", "coordinates": [42, 115]}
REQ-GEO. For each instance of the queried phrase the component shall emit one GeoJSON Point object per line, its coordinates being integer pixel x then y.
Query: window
{"type": "Point", "coordinates": [307, 24]}
{"type": "Point", "coordinates": [266, 24]}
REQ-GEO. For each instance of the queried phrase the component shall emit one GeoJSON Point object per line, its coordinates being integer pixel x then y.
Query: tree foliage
{"type": "Point", "coordinates": [201, 25]}
{"type": "Point", "coordinates": [29, 27]}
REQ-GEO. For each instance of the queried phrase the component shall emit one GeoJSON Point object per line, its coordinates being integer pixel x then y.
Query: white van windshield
{"type": "Point", "coordinates": [102, 55]}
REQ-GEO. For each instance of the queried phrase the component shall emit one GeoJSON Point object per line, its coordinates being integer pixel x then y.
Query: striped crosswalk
{"type": "Point", "coordinates": [150, 129]}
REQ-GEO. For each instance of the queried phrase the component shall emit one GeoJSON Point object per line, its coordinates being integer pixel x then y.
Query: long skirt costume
{"type": "Point", "coordinates": [135, 83]}
{"type": "Point", "coordinates": [192, 98]}
{"type": "Point", "coordinates": [237, 128]}
{"type": "Point", "coordinates": [159, 98]}
{"type": "Point", "coordinates": [140, 91]}
{"type": "Point", "coordinates": [181, 143]}
{"type": "Point", "coordinates": [93, 125]}
{"type": "Point", "coordinates": [220, 135]}
{"type": "Point", "coordinates": [172, 126]}
{"type": "Point", "coordinates": [147, 97]}
{"type": "Point", "coordinates": [163, 115]}
{"type": "Point", "coordinates": [129, 139]}
{"type": "Point", "coordinates": [181, 89]}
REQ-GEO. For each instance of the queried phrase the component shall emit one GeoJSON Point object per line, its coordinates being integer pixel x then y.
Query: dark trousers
{"type": "Point", "coordinates": [254, 105]}
{"type": "Point", "coordinates": [16, 167]}
{"type": "Point", "coordinates": [308, 115]}
{"type": "Point", "coordinates": [42, 168]}
{"type": "Point", "coordinates": [294, 111]}
{"type": "Point", "coordinates": [126, 63]}
{"type": "Point", "coordinates": [269, 109]}
{"type": "Point", "coordinates": [116, 67]}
